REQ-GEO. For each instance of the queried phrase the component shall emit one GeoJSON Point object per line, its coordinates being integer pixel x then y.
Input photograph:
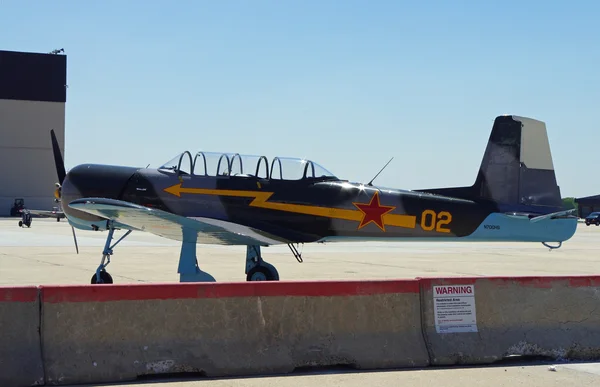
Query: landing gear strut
{"type": "Point", "coordinates": [188, 268]}
{"type": "Point", "coordinates": [102, 276]}
{"type": "Point", "coordinates": [297, 254]}
{"type": "Point", "coordinates": [256, 268]}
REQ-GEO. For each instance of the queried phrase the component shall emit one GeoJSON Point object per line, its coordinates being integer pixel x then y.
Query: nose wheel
{"type": "Point", "coordinates": [102, 276]}
{"type": "Point", "coordinates": [105, 278]}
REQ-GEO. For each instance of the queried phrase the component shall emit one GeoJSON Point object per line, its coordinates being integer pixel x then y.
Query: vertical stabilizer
{"type": "Point", "coordinates": [517, 165]}
{"type": "Point", "coordinates": [517, 172]}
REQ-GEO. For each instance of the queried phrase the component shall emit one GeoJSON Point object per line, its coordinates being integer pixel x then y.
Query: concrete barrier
{"type": "Point", "coordinates": [20, 352]}
{"type": "Point", "coordinates": [482, 320]}
{"type": "Point", "coordinates": [95, 334]}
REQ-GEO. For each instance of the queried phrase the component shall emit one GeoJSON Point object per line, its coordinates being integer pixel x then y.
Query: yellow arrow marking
{"type": "Point", "coordinates": [261, 201]}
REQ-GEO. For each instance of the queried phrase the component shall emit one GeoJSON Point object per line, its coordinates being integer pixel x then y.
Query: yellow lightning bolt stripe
{"type": "Point", "coordinates": [261, 201]}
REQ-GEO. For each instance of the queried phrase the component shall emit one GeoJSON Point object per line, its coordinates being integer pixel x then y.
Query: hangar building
{"type": "Point", "coordinates": [32, 101]}
{"type": "Point", "coordinates": [587, 205]}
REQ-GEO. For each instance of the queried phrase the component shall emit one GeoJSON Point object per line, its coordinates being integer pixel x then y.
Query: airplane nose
{"type": "Point", "coordinates": [95, 180]}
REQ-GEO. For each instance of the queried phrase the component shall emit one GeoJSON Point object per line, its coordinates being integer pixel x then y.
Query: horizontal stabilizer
{"type": "Point", "coordinates": [51, 214]}
{"type": "Point", "coordinates": [534, 218]}
{"type": "Point", "coordinates": [554, 215]}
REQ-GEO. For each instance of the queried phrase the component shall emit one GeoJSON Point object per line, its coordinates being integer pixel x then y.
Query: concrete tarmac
{"type": "Point", "coordinates": [45, 254]}
{"type": "Point", "coordinates": [579, 375]}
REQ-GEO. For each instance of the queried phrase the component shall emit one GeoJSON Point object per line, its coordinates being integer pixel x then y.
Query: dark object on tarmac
{"type": "Point", "coordinates": [593, 218]}
{"type": "Point", "coordinates": [26, 218]}
{"type": "Point", "coordinates": [17, 207]}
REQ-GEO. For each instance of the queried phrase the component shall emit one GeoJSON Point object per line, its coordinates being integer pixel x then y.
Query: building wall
{"type": "Point", "coordinates": [32, 101]}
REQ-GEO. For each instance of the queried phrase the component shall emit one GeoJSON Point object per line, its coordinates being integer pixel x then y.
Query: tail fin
{"type": "Point", "coordinates": [516, 173]}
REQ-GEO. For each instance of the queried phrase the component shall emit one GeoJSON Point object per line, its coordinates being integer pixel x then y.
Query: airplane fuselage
{"type": "Point", "coordinates": [305, 210]}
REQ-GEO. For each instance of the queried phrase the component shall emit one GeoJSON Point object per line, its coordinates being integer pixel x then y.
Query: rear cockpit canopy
{"type": "Point", "coordinates": [233, 164]}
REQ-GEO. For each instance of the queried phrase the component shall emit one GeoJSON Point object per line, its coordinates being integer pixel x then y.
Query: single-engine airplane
{"type": "Point", "coordinates": [27, 215]}
{"type": "Point", "coordinates": [56, 212]}
{"type": "Point", "coordinates": [232, 199]}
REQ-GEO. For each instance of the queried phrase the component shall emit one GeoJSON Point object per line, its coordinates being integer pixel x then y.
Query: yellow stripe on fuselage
{"type": "Point", "coordinates": [261, 201]}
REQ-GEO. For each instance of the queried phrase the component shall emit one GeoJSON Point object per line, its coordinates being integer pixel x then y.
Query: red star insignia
{"type": "Point", "coordinates": [373, 212]}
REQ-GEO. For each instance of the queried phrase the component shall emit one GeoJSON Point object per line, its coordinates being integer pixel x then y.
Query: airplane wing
{"type": "Point", "coordinates": [172, 226]}
{"type": "Point", "coordinates": [51, 214]}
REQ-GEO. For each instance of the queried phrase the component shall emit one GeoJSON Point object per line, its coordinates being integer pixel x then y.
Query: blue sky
{"type": "Point", "coordinates": [348, 84]}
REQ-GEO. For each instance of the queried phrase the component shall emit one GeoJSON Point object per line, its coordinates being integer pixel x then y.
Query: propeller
{"type": "Point", "coordinates": [75, 239]}
{"type": "Point", "coordinates": [58, 161]}
{"type": "Point", "coordinates": [61, 173]}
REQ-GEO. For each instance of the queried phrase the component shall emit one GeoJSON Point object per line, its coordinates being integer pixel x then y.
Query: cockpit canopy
{"type": "Point", "coordinates": [234, 164]}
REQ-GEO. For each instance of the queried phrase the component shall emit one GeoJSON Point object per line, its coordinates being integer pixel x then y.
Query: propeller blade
{"type": "Point", "coordinates": [75, 239]}
{"type": "Point", "coordinates": [58, 160]}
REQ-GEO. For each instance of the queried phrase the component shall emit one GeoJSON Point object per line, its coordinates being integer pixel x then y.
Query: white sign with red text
{"type": "Point", "coordinates": [454, 308]}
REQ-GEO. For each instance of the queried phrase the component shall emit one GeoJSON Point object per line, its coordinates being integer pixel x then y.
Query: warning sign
{"type": "Point", "coordinates": [454, 308]}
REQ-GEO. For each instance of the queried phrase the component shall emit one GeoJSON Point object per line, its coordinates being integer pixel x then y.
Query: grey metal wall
{"type": "Point", "coordinates": [587, 205]}
{"type": "Point", "coordinates": [585, 210]}
{"type": "Point", "coordinates": [32, 101]}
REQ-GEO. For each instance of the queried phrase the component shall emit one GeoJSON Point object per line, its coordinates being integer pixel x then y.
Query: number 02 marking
{"type": "Point", "coordinates": [430, 220]}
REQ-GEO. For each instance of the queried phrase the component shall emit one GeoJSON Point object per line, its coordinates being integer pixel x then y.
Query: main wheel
{"type": "Point", "coordinates": [105, 278]}
{"type": "Point", "coordinates": [20, 223]}
{"type": "Point", "coordinates": [260, 273]}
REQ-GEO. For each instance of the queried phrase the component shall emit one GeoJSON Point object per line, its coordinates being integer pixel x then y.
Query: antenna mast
{"type": "Point", "coordinates": [371, 182]}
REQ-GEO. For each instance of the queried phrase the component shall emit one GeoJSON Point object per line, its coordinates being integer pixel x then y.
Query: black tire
{"type": "Point", "coordinates": [20, 223]}
{"type": "Point", "coordinates": [260, 273]}
{"type": "Point", "coordinates": [105, 278]}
